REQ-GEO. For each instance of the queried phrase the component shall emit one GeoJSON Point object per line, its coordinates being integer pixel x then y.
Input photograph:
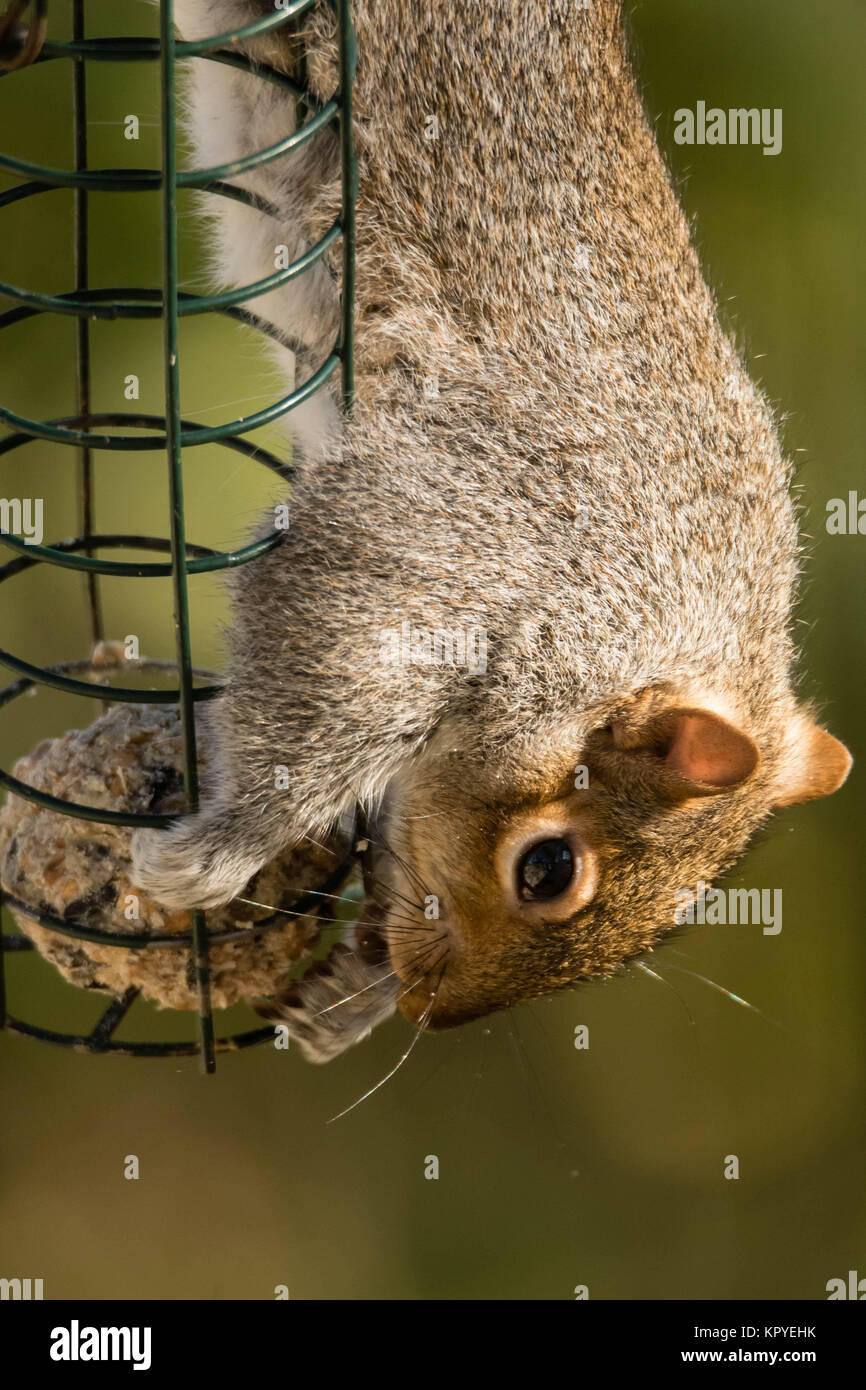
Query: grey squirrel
{"type": "Point", "coordinates": [591, 483]}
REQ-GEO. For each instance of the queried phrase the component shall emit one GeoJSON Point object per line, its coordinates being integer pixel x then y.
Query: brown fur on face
{"type": "Point", "coordinates": [674, 793]}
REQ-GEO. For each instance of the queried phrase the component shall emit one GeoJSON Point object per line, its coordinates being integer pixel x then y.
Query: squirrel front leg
{"type": "Point", "coordinates": [311, 723]}
{"type": "Point", "coordinates": [249, 817]}
{"type": "Point", "coordinates": [279, 784]}
{"type": "Point", "coordinates": [205, 860]}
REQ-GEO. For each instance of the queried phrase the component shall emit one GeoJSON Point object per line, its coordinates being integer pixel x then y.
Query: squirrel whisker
{"type": "Point", "coordinates": [421, 1025]}
{"type": "Point", "coordinates": [381, 980]}
{"type": "Point", "coordinates": [653, 974]}
{"type": "Point", "coordinates": [729, 994]}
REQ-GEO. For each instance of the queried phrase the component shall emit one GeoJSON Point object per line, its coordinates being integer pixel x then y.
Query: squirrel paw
{"type": "Point", "coordinates": [193, 864]}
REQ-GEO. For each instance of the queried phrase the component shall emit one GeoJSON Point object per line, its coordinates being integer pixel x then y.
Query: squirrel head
{"type": "Point", "coordinates": [511, 878]}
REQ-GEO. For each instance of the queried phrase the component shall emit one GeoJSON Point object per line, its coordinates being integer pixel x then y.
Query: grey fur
{"type": "Point", "coordinates": [597, 484]}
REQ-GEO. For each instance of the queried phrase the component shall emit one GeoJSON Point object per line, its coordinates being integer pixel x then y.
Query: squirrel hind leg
{"type": "Point", "coordinates": [200, 862]}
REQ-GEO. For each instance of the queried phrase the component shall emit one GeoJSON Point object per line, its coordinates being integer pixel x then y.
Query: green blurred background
{"type": "Point", "coordinates": [558, 1167]}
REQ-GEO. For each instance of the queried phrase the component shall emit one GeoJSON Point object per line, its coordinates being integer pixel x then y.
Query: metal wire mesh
{"type": "Point", "coordinates": [23, 41]}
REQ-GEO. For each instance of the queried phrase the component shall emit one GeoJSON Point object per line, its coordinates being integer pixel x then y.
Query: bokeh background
{"type": "Point", "coordinates": [558, 1167]}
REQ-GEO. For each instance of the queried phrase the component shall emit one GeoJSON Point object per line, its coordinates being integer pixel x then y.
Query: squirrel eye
{"type": "Point", "coordinates": [545, 870]}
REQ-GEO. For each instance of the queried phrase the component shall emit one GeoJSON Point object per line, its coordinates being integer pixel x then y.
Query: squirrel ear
{"type": "Point", "coordinates": [698, 751]}
{"type": "Point", "coordinates": [817, 765]}
{"type": "Point", "coordinates": [706, 749]}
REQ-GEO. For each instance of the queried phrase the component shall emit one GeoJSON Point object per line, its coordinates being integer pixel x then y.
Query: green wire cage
{"type": "Point", "coordinates": [25, 41]}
